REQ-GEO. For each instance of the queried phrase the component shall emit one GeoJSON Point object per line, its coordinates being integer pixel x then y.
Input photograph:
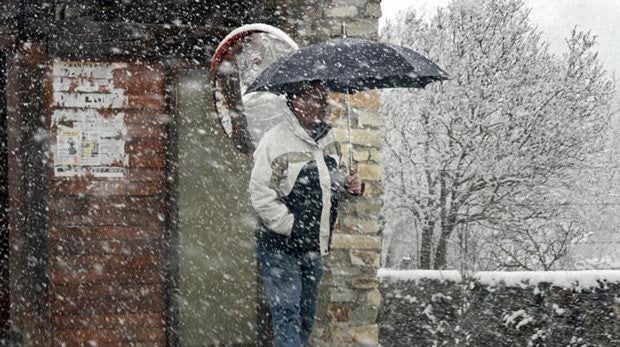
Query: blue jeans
{"type": "Point", "coordinates": [291, 286]}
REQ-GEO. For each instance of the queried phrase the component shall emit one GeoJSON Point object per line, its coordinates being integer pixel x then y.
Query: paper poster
{"type": "Point", "coordinates": [68, 146]}
{"type": "Point", "coordinates": [90, 148]}
{"type": "Point", "coordinates": [88, 143]}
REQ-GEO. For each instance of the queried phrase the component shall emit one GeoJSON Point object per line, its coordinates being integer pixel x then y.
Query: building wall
{"type": "Point", "coordinates": [103, 276]}
{"type": "Point", "coordinates": [106, 259]}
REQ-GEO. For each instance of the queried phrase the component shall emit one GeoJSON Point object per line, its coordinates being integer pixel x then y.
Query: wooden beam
{"type": "Point", "coordinates": [15, 171]}
{"type": "Point", "coordinates": [4, 201]}
{"type": "Point", "coordinates": [81, 39]}
{"type": "Point", "coordinates": [171, 235]}
{"type": "Point", "coordinates": [27, 97]}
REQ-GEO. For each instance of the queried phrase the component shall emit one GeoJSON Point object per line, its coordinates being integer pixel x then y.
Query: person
{"type": "Point", "coordinates": [296, 182]}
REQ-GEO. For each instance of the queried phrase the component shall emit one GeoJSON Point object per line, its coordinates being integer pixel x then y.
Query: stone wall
{"type": "Point", "coordinates": [500, 309]}
{"type": "Point", "coordinates": [318, 20]}
{"type": "Point", "coordinates": [350, 297]}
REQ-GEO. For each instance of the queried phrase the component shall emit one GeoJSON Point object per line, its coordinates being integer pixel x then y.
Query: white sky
{"type": "Point", "coordinates": [555, 18]}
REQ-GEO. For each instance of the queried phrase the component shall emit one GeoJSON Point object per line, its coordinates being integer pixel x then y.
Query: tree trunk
{"type": "Point", "coordinates": [447, 227]}
{"type": "Point", "coordinates": [426, 246]}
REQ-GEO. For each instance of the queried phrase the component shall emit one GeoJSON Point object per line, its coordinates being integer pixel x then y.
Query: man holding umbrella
{"type": "Point", "coordinates": [298, 177]}
{"type": "Point", "coordinates": [295, 185]}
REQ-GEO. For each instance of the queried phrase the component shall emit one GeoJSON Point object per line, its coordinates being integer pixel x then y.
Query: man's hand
{"type": "Point", "coordinates": [353, 183]}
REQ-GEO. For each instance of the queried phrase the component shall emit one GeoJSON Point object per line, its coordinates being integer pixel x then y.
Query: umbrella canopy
{"type": "Point", "coordinates": [349, 65]}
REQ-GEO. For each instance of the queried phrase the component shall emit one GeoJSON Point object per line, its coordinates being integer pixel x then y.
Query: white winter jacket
{"type": "Point", "coordinates": [280, 156]}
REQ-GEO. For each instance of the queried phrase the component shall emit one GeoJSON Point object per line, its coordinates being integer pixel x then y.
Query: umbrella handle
{"type": "Point", "coordinates": [346, 101]}
{"type": "Point", "coordinates": [349, 142]}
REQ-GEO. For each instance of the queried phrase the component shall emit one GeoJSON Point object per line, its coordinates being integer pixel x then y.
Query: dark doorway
{"type": "Point", "coordinates": [4, 206]}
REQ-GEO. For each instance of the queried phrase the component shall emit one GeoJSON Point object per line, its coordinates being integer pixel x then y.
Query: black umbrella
{"type": "Point", "coordinates": [349, 65]}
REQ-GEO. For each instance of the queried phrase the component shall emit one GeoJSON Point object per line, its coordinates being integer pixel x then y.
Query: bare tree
{"type": "Point", "coordinates": [493, 148]}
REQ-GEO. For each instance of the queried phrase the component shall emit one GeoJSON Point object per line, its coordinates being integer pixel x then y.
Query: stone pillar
{"type": "Point", "coordinates": [356, 250]}
{"type": "Point", "coordinates": [350, 297]}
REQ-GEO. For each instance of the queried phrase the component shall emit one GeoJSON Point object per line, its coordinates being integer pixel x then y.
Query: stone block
{"type": "Point", "coordinates": [373, 10]}
{"type": "Point", "coordinates": [368, 101]}
{"type": "Point", "coordinates": [353, 225]}
{"type": "Point", "coordinates": [365, 282]}
{"type": "Point", "coordinates": [339, 312]}
{"type": "Point", "coordinates": [360, 137]}
{"type": "Point", "coordinates": [342, 11]}
{"type": "Point", "coordinates": [341, 241]}
{"type": "Point", "coordinates": [323, 28]}
{"type": "Point", "coordinates": [369, 119]}
{"type": "Point", "coordinates": [346, 270]}
{"type": "Point", "coordinates": [366, 335]}
{"type": "Point", "coordinates": [361, 28]}
{"type": "Point", "coordinates": [347, 223]}
{"type": "Point", "coordinates": [364, 314]}
{"type": "Point", "coordinates": [369, 226]}
{"type": "Point", "coordinates": [365, 258]}
{"type": "Point", "coordinates": [373, 297]}
{"type": "Point", "coordinates": [340, 281]}
{"type": "Point", "coordinates": [369, 172]}
{"type": "Point", "coordinates": [367, 28]}
{"type": "Point", "coordinates": [373, 189]}
{"type": "Point", "coordinates": [358, 3]}
{"type": "Point", "coordinates": [343, 294]}
{"type": "Point", "coordinates": [368, 208]}
{"type": "Point", "coordinates": [367, 137]}
{"type": "Point", "coordinates": [338, 257]}
{"type": "Point", "coordinates": [375, 155]}
{"type": "Point", "coordinates": [361, 155]}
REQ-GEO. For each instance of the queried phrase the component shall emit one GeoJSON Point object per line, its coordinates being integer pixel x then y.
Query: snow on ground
{"type": "Point", "coordinates": [564, 279]}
